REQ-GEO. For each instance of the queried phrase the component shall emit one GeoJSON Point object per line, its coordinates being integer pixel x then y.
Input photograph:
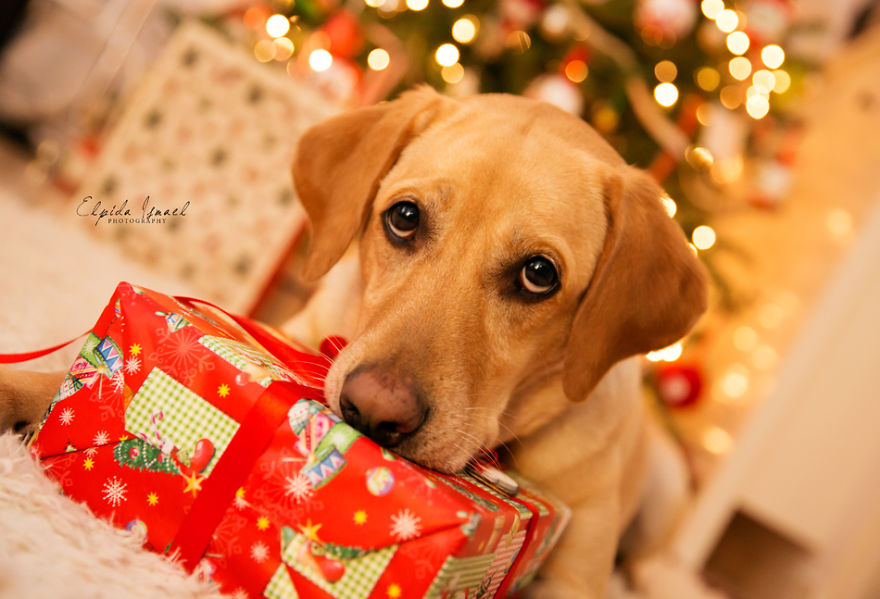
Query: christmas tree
{"type": "Point", "coordinates": [140, 455]}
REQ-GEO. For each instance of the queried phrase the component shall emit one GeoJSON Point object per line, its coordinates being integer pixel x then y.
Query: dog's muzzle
{"type": "Point", "coordinates": [382, 405]}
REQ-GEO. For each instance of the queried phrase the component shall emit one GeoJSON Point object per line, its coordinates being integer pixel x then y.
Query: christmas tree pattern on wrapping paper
{"type": "Point", "coordinates": [176, 417]}
{"type": "Point", "coordinates": [141, 455]}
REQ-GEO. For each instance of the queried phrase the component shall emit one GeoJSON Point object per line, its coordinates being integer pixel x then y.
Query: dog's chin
{"type": "Point", "coordinates": [445, 457]}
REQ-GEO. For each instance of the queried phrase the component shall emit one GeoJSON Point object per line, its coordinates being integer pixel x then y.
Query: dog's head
{"type": "Point", "coordinates": [504, 246]}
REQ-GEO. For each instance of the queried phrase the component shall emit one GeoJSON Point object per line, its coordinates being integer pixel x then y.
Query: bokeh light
{"type": "Point", "coordinates": [320, 60]}
{"type": "Point", "coordinates": [378, 59]}
{"type": "Point", "coordinates": [446, 55]}
{"type": "Point", "coordinates": [277, 25]}
{"type": "Point", "coordinates": [666, 94]}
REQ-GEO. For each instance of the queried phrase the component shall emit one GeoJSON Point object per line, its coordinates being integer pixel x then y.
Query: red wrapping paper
{"type": "Point", "coordinates": [203, 433]}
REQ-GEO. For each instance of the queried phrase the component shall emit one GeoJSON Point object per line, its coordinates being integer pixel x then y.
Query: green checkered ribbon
{"type": "Point", "coordinates": [460, 574]}
{"type": "Point", "coordinates": [245, 357]}
{"type": "Point", "coordinates": [280, 586]}
{"type": "Point", "coordinates": [164, 410]}
{"type": "Point", "coordinates": [361, 573]}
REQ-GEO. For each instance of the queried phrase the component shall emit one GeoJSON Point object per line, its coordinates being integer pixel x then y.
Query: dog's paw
{"type": "Point", "coordinates": [25, 397]}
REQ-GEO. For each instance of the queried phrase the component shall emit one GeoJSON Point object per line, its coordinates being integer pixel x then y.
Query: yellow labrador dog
{"type": "Point", "coordinates": [507, 266]}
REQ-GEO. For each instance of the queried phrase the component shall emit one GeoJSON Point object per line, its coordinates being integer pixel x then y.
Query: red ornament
{"type": "Point", "coordinates": [577, 52]}
{"type": "Point", "coordinates": [133, 453]}
{"type": "Point", "coordinates": [344, 31]}
{"type": "Point", "coordinates": [202, 454]}
{"type": "Point", "coordinates": [521, 14]}
{"type": "Point", "coordinates": [679, 385]}
{"type": "Point", "coordinates": [331, 569]}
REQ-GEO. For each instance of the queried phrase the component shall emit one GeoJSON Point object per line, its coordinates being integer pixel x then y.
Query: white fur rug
{"type": "Point", "coordinates": [54, 548]}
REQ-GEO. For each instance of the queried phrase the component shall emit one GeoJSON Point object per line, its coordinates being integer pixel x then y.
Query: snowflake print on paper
{"type": "Point", "coordinates": [66, 416]}
{"type": "Point", "coordinates": [114, 491]}
{"type": "Point", "coordinates": [298, 487]}
{"type": "Point", "coordinates": [118, 381]}
{"type": "Point", "coordinates": [239, 593]}
{"type": "Point", "coordinates": [276, 488]}
{"type": "Point", "coordinates": [132, 365]}
{"type": "Point", "coordinates": [101, 438]}
{"type": "Point", "coordinates": [259, 552]}
{"type": "Point", "coordinates": [181, 353]}
{"type": "Point", "coordinates": [405, 525]}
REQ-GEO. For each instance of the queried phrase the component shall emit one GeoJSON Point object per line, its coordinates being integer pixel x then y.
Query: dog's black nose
{"type": "Point", "coordinates": [382, 406]}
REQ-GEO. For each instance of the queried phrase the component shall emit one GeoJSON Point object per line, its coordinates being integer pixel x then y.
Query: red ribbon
{"type": "Point", "coordinates": [254, 434]}
{"type": "Point", "coordinates": [33, 355]}
{"type": "Point", "coordinates": [313, 367]}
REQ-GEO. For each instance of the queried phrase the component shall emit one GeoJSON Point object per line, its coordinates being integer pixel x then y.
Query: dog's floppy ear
{"type": "Point", "coordinates": [647, 291]}
{"type": "Point", "coordinates": [340, 163]}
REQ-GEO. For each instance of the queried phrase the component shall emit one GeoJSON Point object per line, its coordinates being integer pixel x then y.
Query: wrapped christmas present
{"type": "Point", "coordinates": [205, 434]}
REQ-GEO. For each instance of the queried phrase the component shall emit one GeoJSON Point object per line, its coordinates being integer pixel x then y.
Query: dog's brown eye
{"type": "Point", "coordinates": [402, 220]}
{"type": "Point", "coordinates": [538, 276]}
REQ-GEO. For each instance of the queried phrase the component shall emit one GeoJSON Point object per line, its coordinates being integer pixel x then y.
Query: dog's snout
{"type": "Point", "coordinates": [381, 406]}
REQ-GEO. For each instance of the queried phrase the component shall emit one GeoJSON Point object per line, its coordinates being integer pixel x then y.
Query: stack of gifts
{"type": "Point", "coordinates": [205, 435]}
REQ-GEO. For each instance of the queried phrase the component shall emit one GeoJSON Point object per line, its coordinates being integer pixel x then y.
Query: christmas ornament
{"type": "Point", "coordinates": [521, 14]}
{"type": "Point", "coordinates": [557, 90]}
{"type": "Point", "coordinates": [331, 569]}
{"type": "Point", "coordinates": [663, 22]}
{"type": "Point", "coordinates": [555, 23]}
{"type": "Point", "coordinates": [772, 180]}
{"type": "Point", "coordinates": [726, 134]}
{"type": "Point", "coordinates": [344, 31]}
{"type": "Point", "coordinates": [679, 385]}
{"type": "Point", "coordinates": [202, 454]}
{"type": "Point", "coordinates": [138, 529]}
{"type": "Point", "coordinates": [380, 481]}
{"type": "Point", "coordinates": [768, 20]}
{"type": "Point", "coordinates": [339, 81]}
